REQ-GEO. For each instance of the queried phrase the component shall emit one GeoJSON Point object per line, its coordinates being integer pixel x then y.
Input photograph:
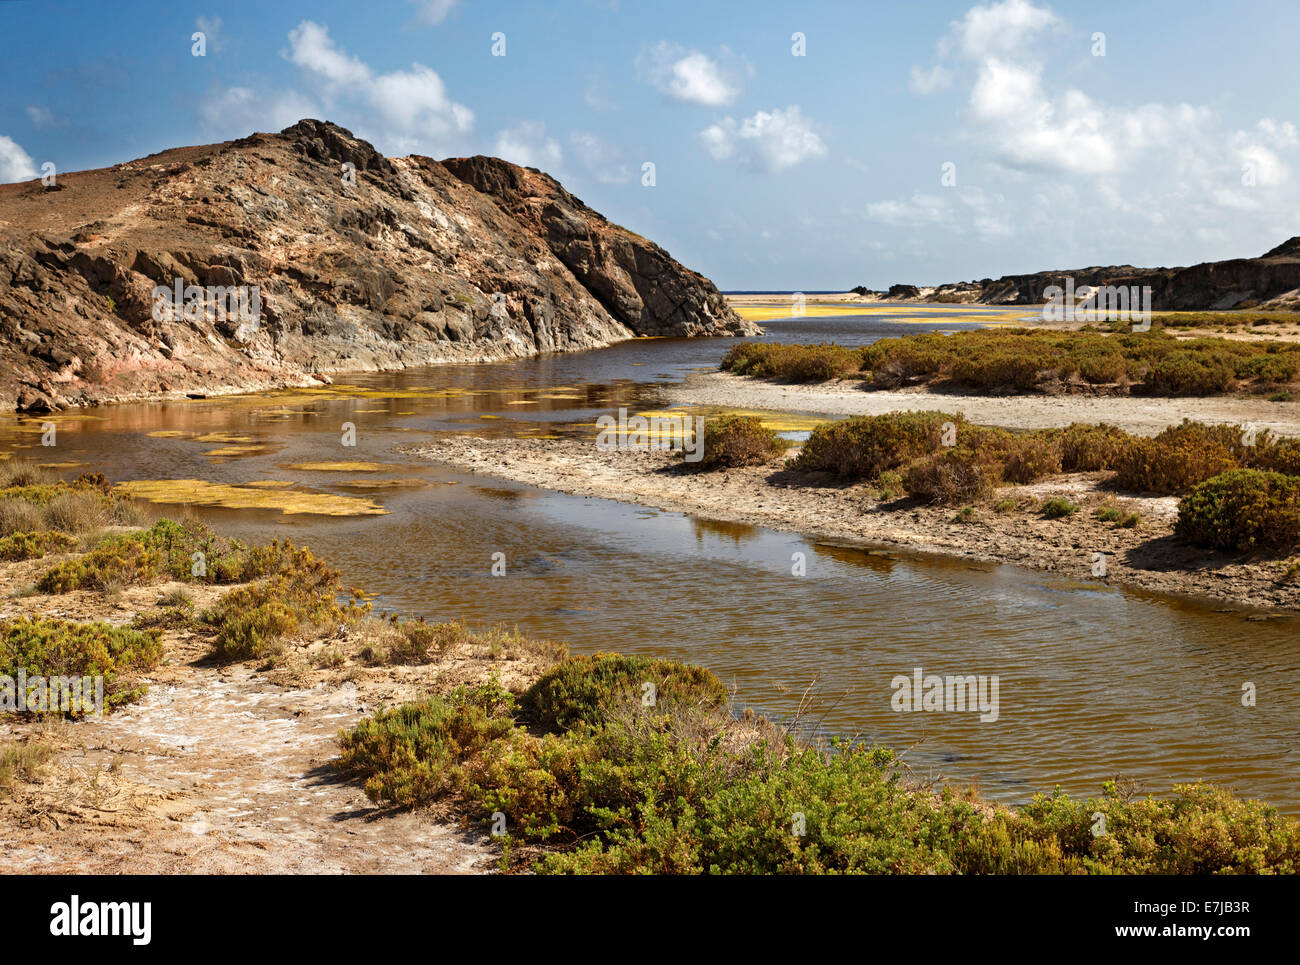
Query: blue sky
{"type": "Point", "coordinates": [772, 171]}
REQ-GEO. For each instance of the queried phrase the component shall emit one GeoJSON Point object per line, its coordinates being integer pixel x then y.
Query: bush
{"type": "Point", "coordinates": [1088, 448]}
{"type": "Point", "coordinates": [862, 447]}
{"type": "Point", "coordinates": [32, 546]}
{"type": "Point", "coordinates": [1059, 507]}
{"type": "Point", "coordinates": [61, 648]}
{"type": "Point", "coordinates": [1178, 458]}
{"type": "Point", "coordinates": [1243, 509]}
{"type": "Point", "coordinates": [582, 690]}
{"type": "Point", "coordinates": [1190, 373]}
{"type": "Point", "coordinates": [739, 440]}
{"type": "Point", "coordinates": [952, 476]}
{"type": "Point", "coordinates": [251, 621]}
{"type": "Point", "coordinates": [792, 363]}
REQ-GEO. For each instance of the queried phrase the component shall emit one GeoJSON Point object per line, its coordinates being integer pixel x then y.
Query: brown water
{"type": "Point", "coordinates": [1094, 682]}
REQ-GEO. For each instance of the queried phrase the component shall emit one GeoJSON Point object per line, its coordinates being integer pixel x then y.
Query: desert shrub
{"type": "Point", "coordinates": [952, 476]}
{"type": "Point", "coordinates": [167, 550]}
{"type": "Point", "coordinates": [1178, 458]}
{"type": "Point", "coordinates": [687, 794]}
{"type": "Point", "coordinates": [1058, 507]}
{"type": "Point", "coordinates": [582, 690]}
{"type": "Point", "coordinates": [1087, 448]}
{"type": "Point", "coordinates": [1243, 509]}
{"type": "Point", "coordinates": [417, 641]}
{"type": "Point", "coordinates": [739, 440]}
{"type": "Point", "coordinates": [792, 363]}
{"type": "Point", "coordinates": [32, 546]}
{"type": "Point", "coordinates": [1275, 367]}
{"type": "Point", "coordinates": [251, 621]}
{"type": "Point", "coordinates": [22, 762]}
{"type": "Point", "coordinates": [61, 648]}
{"type": "Point", "coordinates": [862, 447]}
{"type": "Point", "coordinates": [1002, 370]}
{"type": "Point", "coordinates": [1281, 455]}
{"type": "Point", "coordinates": [1190, 373]}
{"type": "Point", "coordinates": [1031, 456]}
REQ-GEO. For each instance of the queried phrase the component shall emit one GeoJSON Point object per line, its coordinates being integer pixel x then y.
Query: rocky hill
{"type": "Point", "coordinates": [345, 260]}
{"type": "Point", "coordinates": [1269, 281]}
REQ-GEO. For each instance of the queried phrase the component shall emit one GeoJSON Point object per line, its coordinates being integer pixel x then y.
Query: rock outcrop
{"type": "Point", "coordinates": [1271, 281]}
{"type": "Point", "coordinates": [345, 260]}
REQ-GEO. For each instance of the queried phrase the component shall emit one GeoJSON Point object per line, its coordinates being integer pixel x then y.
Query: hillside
{"type": "Point", "coordinates": [1270, 281]}
{"type": "Point", "coordinates": [359, 262]}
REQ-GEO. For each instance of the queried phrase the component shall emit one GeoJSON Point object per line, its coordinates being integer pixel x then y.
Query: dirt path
{"type": "Point", "coordinates": [219, 770]}
{"type": "Point", "coordinates": [1142, 416]}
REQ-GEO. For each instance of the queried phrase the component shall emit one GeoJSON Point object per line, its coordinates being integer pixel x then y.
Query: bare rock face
{"type": "Point", "coordinates": [1271, 281]}
{"type": "Point", "coordinates": [298, 254]}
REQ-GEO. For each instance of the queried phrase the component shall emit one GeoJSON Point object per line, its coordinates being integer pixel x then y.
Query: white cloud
{"type": "Point", "coordinates": [433, 11]}
{"type": "Point", "coordinates": [602, 160]}
{"type": "Point", "coordinates": [527, 144]}
{"type": "Point", "coordinates": [41, 117]}
{"type": "Point", "coordinates": [15, 163]}
{"type": "Point", "coordinates": [692, 77]}
{"type": "Point", "coordinates": [767, 141]}
{"type": "Point", "coordinates": [930, 81]}
{"type": "Point", "coordinates": [400, 111]}
{"type": "Point", "coordinates": [967, 211]}
{"type": "Point", "coordinates": [1003, 29]}
{"type": "Point", "coordinates": [211, 28]}
{"type": "Point", "coordinates": [920, 209]}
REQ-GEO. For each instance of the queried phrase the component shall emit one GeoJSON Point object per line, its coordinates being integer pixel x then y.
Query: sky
{"type": "Point", "coordinates": [771, 146]}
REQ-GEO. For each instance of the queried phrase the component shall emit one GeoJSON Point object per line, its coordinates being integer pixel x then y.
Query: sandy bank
{"type": "Point", "coordinates": [1142, 416]}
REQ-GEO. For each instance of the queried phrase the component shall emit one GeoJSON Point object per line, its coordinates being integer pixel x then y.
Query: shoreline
{"type": "Point", "coordinates": [819, 507]}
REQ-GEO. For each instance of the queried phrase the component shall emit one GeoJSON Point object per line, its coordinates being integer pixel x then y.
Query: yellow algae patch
{"type": "Point", "coordinates": [235, 450]}
{"type": "Point", "coordinates": [226, 437]}
{"type": "Point", "coordinates": [524, 401]}
{"type": "Point", "coordinates": [270, 483]}
{"type": "Point", "coordinates": [167, 434]}
{"type": "Point", "coordinates": [489, 417]}
{"type": "Point", "coordinates": [342, 466]}
{"type": "Point", "coordinates": [198, 492]}
{"type": "Point", "coordinates": [62, 465]}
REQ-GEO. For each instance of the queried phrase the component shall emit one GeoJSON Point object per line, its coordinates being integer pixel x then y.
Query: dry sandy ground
{"type": "Point", "coordinates": [818, 506]}
{"type": "Point", "coordinates": [226, 769]}
{"type": "Point", "coordinates": [1142, 416]}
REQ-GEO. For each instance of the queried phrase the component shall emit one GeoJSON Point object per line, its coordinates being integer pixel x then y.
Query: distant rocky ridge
{"type": "Point", "coordinates": [357, 262]}
{"type": "Point", "coordinates": [1271, 281]}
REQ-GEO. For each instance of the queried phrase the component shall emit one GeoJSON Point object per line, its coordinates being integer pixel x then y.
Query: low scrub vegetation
{"type": "Point", "coordinates": [1242, 510]}
{"type": "Point", "coordinates": [51, 647]}
{"type": "Point", "coordinates": [22, 762]}
{"type": "Point", "coordinates": [187, 551]}
{"type": "Point", "coordinates": [1025, 360]}
{"type": "Point", "coordinates": [739, 440]}
{"type": "Point", "coordinates": [610, 782]}
{"type": "Point", "coordinates": [302, 594]}
{"type": "Point", "coordinates": [35, 500]}
{"type": "Point", "coordinates": [32, 546]}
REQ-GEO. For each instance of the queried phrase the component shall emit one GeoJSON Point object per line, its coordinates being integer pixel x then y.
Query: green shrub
{"type": "Point", "coordinates": [252, 620]}
{"type": "Point", "coordinates": [32, 546]}
{"type": "Point", "coordinates": [1243, 509]}
{"type": "Point", "coordinates": [862, 447]}
{"type": "Point", "coordinates": [952, 476]}
{"type": "Point", "coordinates": [61, 648]}
{"type": "Point", "coordinates": [581, 690]}
{"type": "Point", "coordinates": [1059, 507]}
{"type": "Point", "coordinates": [1190, 373]}
{"type": "Point", "coordinates": [1088, 448]}
{"type": "Point", "coordinates": [738, 440]}
{"type": "Point", "coordinates": [792, 363]}
{"type": "Point", "coordinates": [1178, 458]}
